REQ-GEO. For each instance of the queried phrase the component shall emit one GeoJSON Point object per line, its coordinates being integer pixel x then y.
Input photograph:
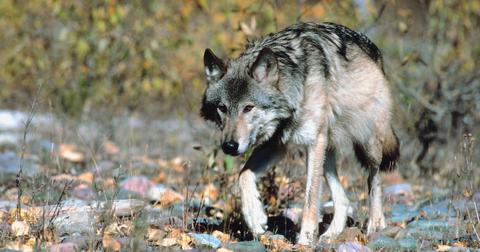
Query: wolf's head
{"type": "Point", "coordinates": [243, 99]}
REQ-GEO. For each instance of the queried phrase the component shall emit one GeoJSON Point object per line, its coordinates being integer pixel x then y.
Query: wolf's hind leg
{"type": "Point", "coordinates": [340, 199]}
{"type": "Point", "coordinates": [370, 156]}
{"type": "Point", "coordinates": [376, 220]}
{"type": "Point", "coordinates": [262, 158]}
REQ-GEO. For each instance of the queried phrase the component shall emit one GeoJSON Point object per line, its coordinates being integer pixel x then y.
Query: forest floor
{"type": "Point", "coordinates": [130, 183]}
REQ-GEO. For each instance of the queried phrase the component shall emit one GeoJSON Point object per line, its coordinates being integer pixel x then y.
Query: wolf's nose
{"type": "Point", "coordinates": [230, 148]}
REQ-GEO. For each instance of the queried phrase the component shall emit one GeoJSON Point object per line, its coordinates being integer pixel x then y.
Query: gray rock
{"type": "Point", "coordinates": [7, 205]}
{"type": "Point", "coordinates": [11, 120]}
{"type": "Point", "coordinates": [426, 234]}
{"type": "Point", "coordinates": [401, 213]}
{"type": "Point", "coordinates": [353, 247]}
{"type": "Point", "coordinates": [408, 243]}
{"type": "Point", "coordinates": [63, 247]}
{"type": "Point", "coordinates": [42, 146]}
{"type": "Point", "coordinates": [206, 240]}
{"type": "Point", "coordinates": [10, 138]}
{"type": "Point", "coordinates": [429, 224]}
{"type": "Point", "coordinates": [391, 231]}
{"type": "Point", "coordinates": [398, 189]}
{"type": "Point", "coordinates": [159, 218]}
{"type": "Point", "coordinates": [81, 221]}
{"type": "Point", "coordinates": [203, 220]}
{"type": "Point", "coordinates": [246, 246]}
{"type": "Point", "coordinates": [383, 242]}
{"type": "Point", "coordinates": [124, 194]}
{"type": "Point", "coordinates": [10, 164]}
{"type": "Point", "coordinates": [439, 209]}
{"type": "Point", "coordinates": [138, 184]}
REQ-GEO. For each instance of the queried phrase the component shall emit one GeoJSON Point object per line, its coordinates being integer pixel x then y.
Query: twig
{"type": "Point", "coordinates": [18, 180]}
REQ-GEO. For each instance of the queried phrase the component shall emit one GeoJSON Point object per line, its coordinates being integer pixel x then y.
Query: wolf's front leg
{"type": "Point", "coordinates": [311, 209]}
{"type": "Point", "coordinates": [262, 158]}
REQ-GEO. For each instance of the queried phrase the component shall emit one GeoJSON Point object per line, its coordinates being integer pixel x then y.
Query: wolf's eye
{"type": "Point", "coordinates": [222, 108]}
{"type": "Point", "coordinates": [247, 108]}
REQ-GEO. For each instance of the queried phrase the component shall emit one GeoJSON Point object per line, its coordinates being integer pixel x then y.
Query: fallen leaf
{"type": "Point", "coordinates": [64, 247]}
{"type": "Point", "coordinates": [110, 148]}
{"type": "Point", "coordinates": [20, 228]}
{"type": "Point", "coordinates": [70, 153]}
{"type": "Point", "coordinates": [211, 191]}
{"type": "Point", "coordinates": [168, 242]}
{"type": "Point", "coordinates": [86, 177]}
{"type": "Point", "coordinates": [154, 234]}
{"type": "Point", "coordinates": [109, 243]}
{"type": "Point", "coordinates": [221, 236]}
{"type": "Point", "coordinates": [223, 250]}
{"type": "Point", "coordinates": [185, 241]}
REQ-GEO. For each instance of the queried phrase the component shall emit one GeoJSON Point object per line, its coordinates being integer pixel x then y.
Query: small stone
{"type": "Point", "coordinates": [353, 247]}
{"type": "Point", "coordinates": [383, 242]}
{"type": "Point", "coordinates": [10, 163]}
{"type": "Point", "coordinates": [429, 224]}
{"type": "Point", "coordinates": [164, 195]}
{"type": "Point", "coordinates": [398, 191]}
{"type": "Point", "coordinates": [391, 231]}
{"type": "Point", "coordinates": [138, 184]}
{"type": "Point", "coordinates": [426, 234]}
{"type": "Point", "coordinates": [5, 229]}
{"type": "Point", "coordinates": [12, 120]}
{"type": "Point", "coordinates": [245, 246]}
{"type": "Point", "coordinates": [63, 247]}
{"type": "Point", "coordinates": [75, 222]}
{"type": "Point", "coordinates": [83, 192]}
{"type": "Point", "coordinates": [402, 213]}
{"type": "Point", "coordinates": [43, 146]}
{"type": "Point", "coordinates": [78, 239]}
{"type": "Point", "coordinates": [409, 244]}
{"type": "Point", "coordinates": [206, 240]}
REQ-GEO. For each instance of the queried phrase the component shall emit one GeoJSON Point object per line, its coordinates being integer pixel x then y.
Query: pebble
{"type": "Point", "coordinates": [383, 242]}
{"type": "Point", "coordinates": [10, 163]}
{"type": "Point", "coordinates": [63, 247]}
{"type": "Point", "coordinates": [429, 224]}
{"type": "Point", "coordinates": [246, 246]}
{"type": "Point", "coordinates": [402, 213]}
{"type": "Point", "coordinates": [206, 240]}
{"type": "Point", "coordinates": [353, 247]}
{"type": "Point", "coordinates": [83, 192]}
{"type": "Point", "coordinates": [409, 244]}
{"type": "Point", "coordinates": [138, 184]}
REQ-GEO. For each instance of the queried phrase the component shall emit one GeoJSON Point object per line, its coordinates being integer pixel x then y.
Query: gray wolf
{"type": "Point", "coordinates": [320, 86]}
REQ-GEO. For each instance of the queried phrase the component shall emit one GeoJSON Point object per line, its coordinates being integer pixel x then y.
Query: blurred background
{"type": "Point", "coordinates": [78, 58]}
{"type": "Point", "coordinates": [94, 86]}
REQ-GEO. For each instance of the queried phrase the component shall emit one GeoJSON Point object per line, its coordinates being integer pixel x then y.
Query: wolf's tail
{"type": "Point", "coordinates": [390, 151]}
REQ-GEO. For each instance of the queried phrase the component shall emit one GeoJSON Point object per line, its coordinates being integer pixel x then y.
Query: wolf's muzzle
{"type": "Point", "coordinates": [230, 148]}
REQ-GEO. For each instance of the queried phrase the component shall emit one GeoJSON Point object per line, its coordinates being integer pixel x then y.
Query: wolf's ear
{"type": "Point", "coordinates": [265, 68]}
{"type": "Point", "coordinates": [214, 67]}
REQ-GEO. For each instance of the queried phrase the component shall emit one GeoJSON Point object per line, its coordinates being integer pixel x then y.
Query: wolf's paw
{"type": "Point", "coordinates": [255, 216]}
{"type": "Point", "coordinates": [256, 220]}
{"type": "Point", "coordinates": [307, 235]}
{"type": "Point", "coordinates": [376, 224]}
